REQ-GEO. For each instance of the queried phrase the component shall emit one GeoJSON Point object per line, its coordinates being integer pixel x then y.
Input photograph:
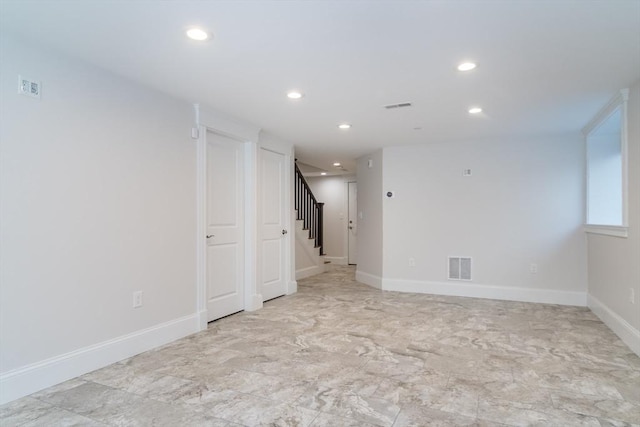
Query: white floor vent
{"type": "Point", "coordinates": [459, 268]}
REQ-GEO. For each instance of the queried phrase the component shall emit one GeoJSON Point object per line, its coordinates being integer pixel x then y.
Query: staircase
{"type": "Point", "coordinates": [309, 229]}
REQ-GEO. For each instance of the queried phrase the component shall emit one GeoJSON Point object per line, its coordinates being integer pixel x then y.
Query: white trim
{"type": "Point", "coordinates": [336, 260]}
{"type": "Point", "coordinates": [247, 135]}
{"type": "Point", "coordinates": [620, 98]}
{"type": "Point", "coordinates": [624, 151]}
{"type": "Point", "coordinates": [607, 230]}
{"type": "Point", "coordinates": [40, 375]}
{"type": "Point", "coordinates": [347, 235]}
{"type": "Point", "coordinates": [252, 296]}
{"type": "Point", "coordinates": [292, 287]}
{"type": "Point", "coordinates": [293, 226]}
{"type": "Point", "coordinates": [289, 221]}
{"type": "Point", "coordinates": [623, 329]}
{"type": "Point", "coordinates": [303, 273]}
{"type": "Point", "coordinates": [201, 227]}
{"type": "Point", "coordinates": [369, 279]}
{"type": "Point", "coordinates": [203, 320]}
{"type": "Point", "coordinates": [475, 290]}
{"type": "Point", "coordinates": [228, 126]}
{"type": "Point", "coordinates": [253, 303]}
{"type": "Point", "coordinates": [619, 101]}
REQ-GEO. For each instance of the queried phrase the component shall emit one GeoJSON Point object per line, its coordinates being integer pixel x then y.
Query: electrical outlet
{"type": "Point", "coordinates": [632, 295]}
{"type": "Point", "coordinates": [412, 262]}
{"type": "Point", "coordinates": [137, 299]}
{"type": "Point", "coordinates": [29, 87]}
{"type": "Point", "coordinates": [533, 268]}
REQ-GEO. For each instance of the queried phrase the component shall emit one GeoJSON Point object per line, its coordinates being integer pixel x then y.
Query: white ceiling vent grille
{"type": "Point", "coordinates": [400, 105]}
{"type": "Point", "coordinates": [459, 268]}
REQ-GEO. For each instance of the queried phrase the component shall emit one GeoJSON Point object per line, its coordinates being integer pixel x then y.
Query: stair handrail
{"type": "Point", "coordinates": [309, 210]}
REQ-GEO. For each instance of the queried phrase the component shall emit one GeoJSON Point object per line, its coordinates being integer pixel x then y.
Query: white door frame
{"type": "Point", "coordinates": [248, 137]}
{"type": "Point", "coordinates": [348, 231]}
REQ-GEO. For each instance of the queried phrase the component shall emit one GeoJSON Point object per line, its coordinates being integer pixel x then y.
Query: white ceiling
{"type": "Point", "coordinates": [544, 67]}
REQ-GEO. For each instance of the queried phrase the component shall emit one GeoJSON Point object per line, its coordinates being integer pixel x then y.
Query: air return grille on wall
{"type": "Point", "coordinates": [459, 268]}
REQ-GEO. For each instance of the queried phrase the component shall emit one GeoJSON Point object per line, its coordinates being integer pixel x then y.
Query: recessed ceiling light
{"type": "Point", "coordinates": [294, 94]}
{"type": "Point", "coordinates": [323, 173]}
{"type": "Point", "coordinates": [344, 126]}
{"type": "Point", "coordinates": [466, 66]}
{"type": "Point", "coordinates": [336, 164]}
{"type": "Point", "coordinates": [475, 110]}
{"type": "Point", "coordinates": [197, 34]}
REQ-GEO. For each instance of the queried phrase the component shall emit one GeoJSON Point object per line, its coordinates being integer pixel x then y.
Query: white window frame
{"type": "Point", "coordinates": [617, 102]}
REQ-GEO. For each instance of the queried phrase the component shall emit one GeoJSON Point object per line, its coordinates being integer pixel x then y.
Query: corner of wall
{"type": "Point", "coordinates": [369, 279]}
{"type": "Point", "coordinates": [623, 329]}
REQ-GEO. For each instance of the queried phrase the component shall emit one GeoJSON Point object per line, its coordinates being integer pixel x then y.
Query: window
{"type": "Point", "coordinates": [606, 143]}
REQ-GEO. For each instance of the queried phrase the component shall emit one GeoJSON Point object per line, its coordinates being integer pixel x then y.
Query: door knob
{"type": "Point", "coordinates": [284, 232]}
{"type": "Point", "coordinates": [210, 236]}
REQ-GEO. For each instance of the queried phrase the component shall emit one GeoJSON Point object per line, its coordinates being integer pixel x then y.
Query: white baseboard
{"type": "Point", "coordinates": [336, 260]}
{"type": "Point", "coordinates": [203, 320]}
{"type": "Point", "coordinates": [369, 279]}
{"type": "Point", "coordinates": [623, 329]}
{"type": "Point", "coordinates": [46, 373]}
{"type": "Point", "coordinates": [255, 302]}
{"type": "Point", "coordinates": [303, 273]}
{"type": "Point", "coordinates": [476, 290]}
{"type": "Point", "coordinates": [292, 287]}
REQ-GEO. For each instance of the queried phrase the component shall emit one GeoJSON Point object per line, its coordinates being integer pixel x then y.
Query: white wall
{"type": "Point", "coordinates": [97, 201]}
{"type": "Point", "coordinates": [614, 262]}
{"type": "Point", "coordinates": [308, 261]}
{"type": "Point", "coordinates": [333, 192]}
{"type": "Point", "coordinates": [370, 239]}
{"type": "Point", "coordinates": [522, 205]}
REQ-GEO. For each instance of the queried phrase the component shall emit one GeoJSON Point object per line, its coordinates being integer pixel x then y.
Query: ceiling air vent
{"type": "Point", "coordinates": [400, 105]}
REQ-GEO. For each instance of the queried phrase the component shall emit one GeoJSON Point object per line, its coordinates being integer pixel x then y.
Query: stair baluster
{"type": "Point", "coordinates": [310, 211]}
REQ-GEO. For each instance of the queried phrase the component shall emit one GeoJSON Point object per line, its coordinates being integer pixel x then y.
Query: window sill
{"type": "Point", "coordinates": [607, 230]}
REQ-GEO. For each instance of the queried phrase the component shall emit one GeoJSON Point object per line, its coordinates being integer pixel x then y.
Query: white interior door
{"type": "Point", "coordinates": [274, 230]}
{"type": "Point", "coordinates": [225, 226]}
{"type": "Point", "coordinates": [352, 227]}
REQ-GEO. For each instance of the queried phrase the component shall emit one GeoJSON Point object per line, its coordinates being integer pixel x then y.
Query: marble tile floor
{"type": "Point", "coordinates": [339, 353]}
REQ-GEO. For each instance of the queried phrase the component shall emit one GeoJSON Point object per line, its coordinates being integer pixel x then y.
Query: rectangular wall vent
{"type": "Point", "coordinates": [459, 268]}
{"type": "Point", "coordinates": [400, 105]}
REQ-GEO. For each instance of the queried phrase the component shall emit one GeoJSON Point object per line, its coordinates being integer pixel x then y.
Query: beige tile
{"type": "Point", "coordinates": [252, 410]}
{"type": "Point", "coordinates": [328, 420]}
{"type": "Point", "coordinates": [339, 353]}
{"type": "Point", "coordinates": [519, 414]}
{"type": "Point", "coordinates": [23, 410]}
{"type": "Point", "coordinates": [499, 390]}
{"type": "Point", "coordinates": [61, 418]}
{"type": "Point", "coordinates": [410, 393]}
{"type": "Point", "coordinates": [350, 405]}
{"type": "Point", "coordinates": [420, 416]}
{"type": "Point", "coordinates": [620, 410]}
